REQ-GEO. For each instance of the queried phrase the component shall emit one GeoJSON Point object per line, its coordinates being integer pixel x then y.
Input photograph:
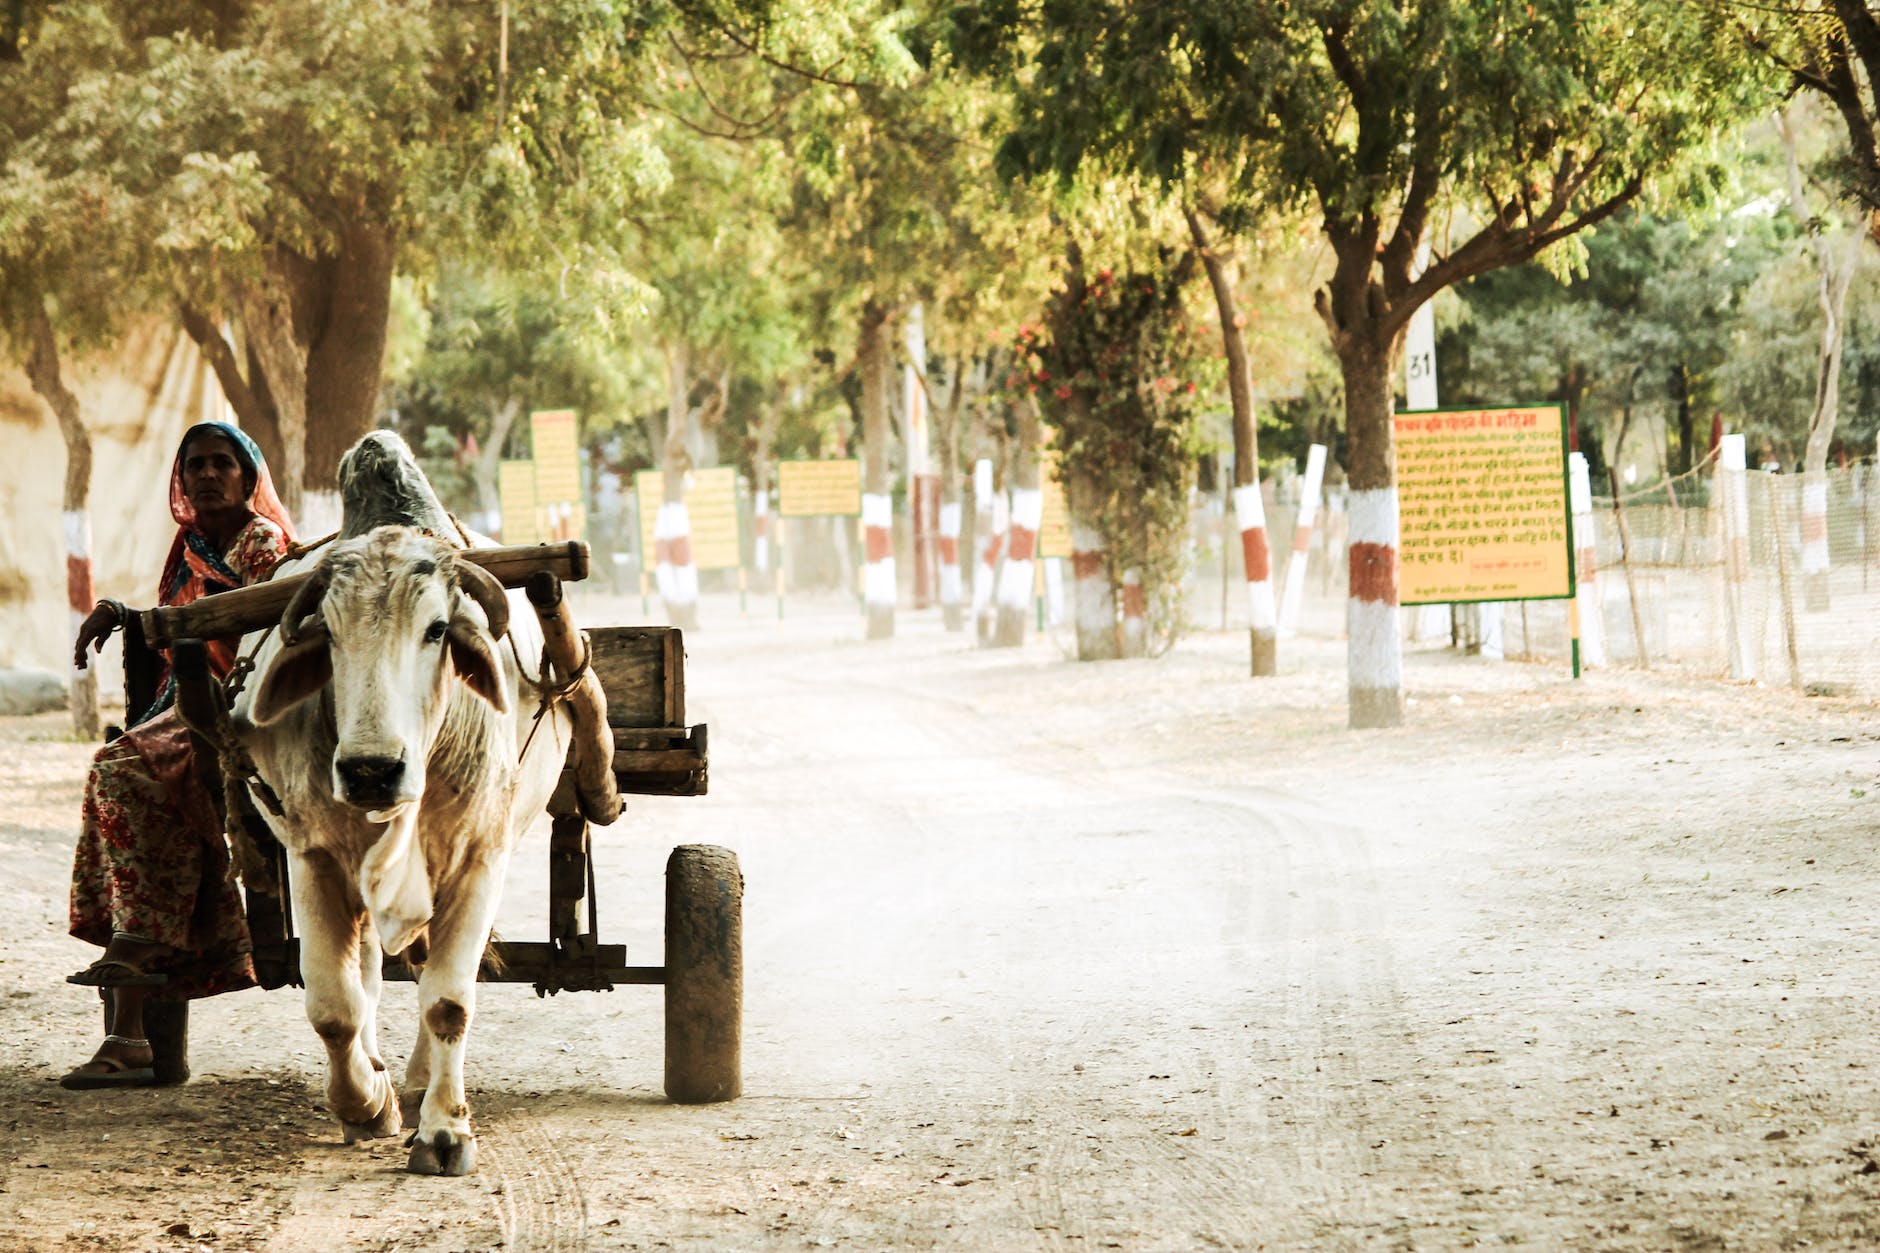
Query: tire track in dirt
{"type": "Point", "coordinates": [540, 1207]}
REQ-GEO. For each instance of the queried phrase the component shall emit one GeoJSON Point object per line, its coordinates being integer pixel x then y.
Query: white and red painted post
{"type": "Point", "coordinates": [760, 528]}
{"type": "Point", "coordinates": [1375, 652]}
{"type": "Point", "coordinates": [989, 531]}
{"type": "Point", "coordinates": [1589, 633]}
{"type": "Point", "coordinates": [1310, 492]}
{"type": "Point", "coordinates": [1256, 556]}
{"type": "Point", "coordinates": [676, 575]}
{"type": "Point", "coordinates": [1733, 493]}
{"type": "Point", "coordinates": [952, 611]}
{"type": "Point", "coordinates": [1015, 576]}
{"type": "Point", "coordinates": [80, 598]}
{"type": "Point", "coordinates": [878, 579]}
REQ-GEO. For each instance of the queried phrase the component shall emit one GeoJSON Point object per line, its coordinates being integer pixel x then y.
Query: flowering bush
{"type": "Point", "coordinates": [1119, 377]}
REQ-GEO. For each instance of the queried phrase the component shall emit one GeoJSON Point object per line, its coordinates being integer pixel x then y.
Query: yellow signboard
{"type": "Point", "coordinates": [1482, 505]}
{"type": "Point", "coordinates": [711, 507]}
{"type": "Point", "coordinates": [515, 489]}
{"type": "Point", "coordinates": [1054, 532]}
{"type": "Point", "coordinates": [557, 445]}
{"type": "Point", "coordinates": [810, 489]}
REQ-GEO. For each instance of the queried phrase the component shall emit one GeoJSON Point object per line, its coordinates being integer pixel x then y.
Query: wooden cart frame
{"type": "Point", "coordinates": [642, 672]}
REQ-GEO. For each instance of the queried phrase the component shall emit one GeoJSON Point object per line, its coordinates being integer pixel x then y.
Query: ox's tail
{"type": "Point", "coordinates": [395, 883]}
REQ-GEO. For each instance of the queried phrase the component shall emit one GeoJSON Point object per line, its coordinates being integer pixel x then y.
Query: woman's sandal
{"type": "Point", "coordinates": [114, 972]}
{"type": "Point", "coordinates": [115, 1073]}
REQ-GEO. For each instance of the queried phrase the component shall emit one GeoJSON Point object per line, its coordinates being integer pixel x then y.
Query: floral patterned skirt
{"type": "Point", "coordinates": [153, 864]}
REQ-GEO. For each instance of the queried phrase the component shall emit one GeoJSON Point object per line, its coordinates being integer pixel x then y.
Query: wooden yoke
{"type": "Point", "coordinates": [244, 609]}
{"type": "Point", "coordinates": [593, 750]}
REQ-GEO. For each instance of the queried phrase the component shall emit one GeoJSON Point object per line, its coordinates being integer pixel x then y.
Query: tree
{"type": "Point", "coordinates": [278, 161]}
{"type": "Point", "coordinates": [496, 346]}
{"type": "Point", "coordinates": [1491, 131]}
{"type": "Point", "coordinates": [1833, 50]}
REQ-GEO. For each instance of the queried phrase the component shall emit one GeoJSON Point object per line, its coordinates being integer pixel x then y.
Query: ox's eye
{"type": "Point", "coordinates": [435, 631]}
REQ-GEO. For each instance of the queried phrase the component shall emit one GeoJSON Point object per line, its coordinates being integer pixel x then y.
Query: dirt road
{"type": "Point", "coordinates": [1144, 956]}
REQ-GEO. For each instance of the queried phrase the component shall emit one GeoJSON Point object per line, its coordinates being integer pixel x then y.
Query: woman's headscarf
{"type": "Point", "coordinates": [195, 567]}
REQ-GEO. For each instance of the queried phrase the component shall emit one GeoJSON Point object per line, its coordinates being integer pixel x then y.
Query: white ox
{"type": "Point", "coordinates": [391, 720]}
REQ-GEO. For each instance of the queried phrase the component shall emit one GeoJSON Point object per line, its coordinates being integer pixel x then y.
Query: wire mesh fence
{"type": "Point", "coordinates": [1744, 575]}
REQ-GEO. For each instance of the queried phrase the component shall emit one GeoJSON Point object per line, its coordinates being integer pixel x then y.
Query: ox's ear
{"type": "Point", "coordinates": [474, 657]}
{"type": "Point", "coordinates": [295, 673]}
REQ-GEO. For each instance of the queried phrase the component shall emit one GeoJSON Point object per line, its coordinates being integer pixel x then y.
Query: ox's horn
{"type": "Point", "coordinates": [483, 587]}
{"type": "Point", "coordinates": [307, 597]}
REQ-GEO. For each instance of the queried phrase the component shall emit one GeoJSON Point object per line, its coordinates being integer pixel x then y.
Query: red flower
{"type": "Point", "coordinates": [1063, 392]}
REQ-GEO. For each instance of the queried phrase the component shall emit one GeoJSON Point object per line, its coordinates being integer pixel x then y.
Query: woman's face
{"type": "Point", "coordinates": [212, 475]}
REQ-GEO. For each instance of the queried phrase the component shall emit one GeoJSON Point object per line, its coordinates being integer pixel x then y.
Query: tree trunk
{"type": "Point", "coordinates": [246, 391]}
{"type": "Point", "coordinates": [769, 419]}
{"type": "Point", "coordinates": [672, 529]}
{"type": "Point", "coordinates": [347, 299]}
{"type": "Point", "coordinates": [947, 422]}
{"type": "Point", "coordinates": [1374, 654]}
{"type": "Point", "coordinates": [1093, 593]}
{"type": "Point", "coordinates": [873, 359]}
{"type": "Point", "coordinates": [267, 313]}
{"type": "Point", "coordinates": [1016, 575]}
{"type": "Point", "coordinates": [1681, 392]}
{"type": "Point", "coordinates": [42, 367]}
{"type": "Point", "coordinates": [1249, 509]}
{"type": "Point", "coordinates": [490, 455]}
{"type": "Point", "coordinates": [1833, 276]}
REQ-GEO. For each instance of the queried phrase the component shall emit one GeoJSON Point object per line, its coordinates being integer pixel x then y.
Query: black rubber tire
{"type": "Point", "coordinates": [704, 974]}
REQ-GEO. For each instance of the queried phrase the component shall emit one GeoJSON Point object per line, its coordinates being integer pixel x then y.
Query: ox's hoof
{"type": "Point", "coordinates": [389, 1121]}
{"type": "Point", "coordinates": [444, 1154]}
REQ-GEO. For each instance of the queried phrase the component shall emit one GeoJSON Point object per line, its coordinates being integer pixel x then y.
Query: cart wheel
{"type": "Point", "coordinates": [704, 973]}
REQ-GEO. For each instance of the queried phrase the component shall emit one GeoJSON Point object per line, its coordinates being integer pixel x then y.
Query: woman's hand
{"type": "Point", "coordinates": [105, 618]}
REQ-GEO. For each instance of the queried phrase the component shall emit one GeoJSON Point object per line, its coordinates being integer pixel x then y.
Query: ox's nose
{"type": "Point", "coordinates": [370, 780]}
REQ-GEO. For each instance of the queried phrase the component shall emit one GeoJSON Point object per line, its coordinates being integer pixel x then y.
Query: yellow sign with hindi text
{"type": "Point", "coordinates": [515, 491]}
{"type": "Point", "coordinates": [1482, 505]}
{"type": "Point", "coordinates": [814, 489]}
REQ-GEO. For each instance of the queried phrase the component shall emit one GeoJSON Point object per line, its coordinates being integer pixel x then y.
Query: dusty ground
{"type": "Point", "coordinates": [1139, 956]}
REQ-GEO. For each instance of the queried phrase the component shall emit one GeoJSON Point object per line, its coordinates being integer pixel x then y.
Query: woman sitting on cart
{"type": "Point", "coordinates": [151, 882]}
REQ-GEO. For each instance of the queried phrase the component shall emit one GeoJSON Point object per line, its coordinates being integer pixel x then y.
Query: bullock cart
{"type": "Point", "coordinates": [642, 673]}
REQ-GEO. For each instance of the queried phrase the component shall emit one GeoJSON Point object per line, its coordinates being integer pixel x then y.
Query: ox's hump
{"type": "Point", "coordinates": [381, 484]}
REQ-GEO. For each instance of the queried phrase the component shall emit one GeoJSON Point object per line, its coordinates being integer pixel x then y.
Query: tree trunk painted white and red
{"type": "Point", "coordinates": [879, 576]}
{"type": "Point", "coordinates": [673, 570]}
{"type": "Point", "coordinates": [1815, 561]}
{"type": "Point", "coordinates": [1016, 576]}
{"type": "Point", "coordinates": [948, 419]}
{"type": "Point", "coordinates": [1135, 631]}
{"type": "Point", "coordinates": [1093, 596]}
{"type": "Point", "coordinates": [989, 522]}
{"type": "Point", "coordinates": [879, 582]}
{"type": "Point", "coordinates": [1586, 563]}
{"type": "Point", "coordinates": [42, 370]}
{"type": "Point", "coordinates": [1256, 557]}
{"type": "Point", "coordinates": [1311, 491]}
{"type": "Point", "coordinates": [1249, 511]}
{"type": "Point", "coordinates": [1374, 652]}
{"type": "Point", "coordinates": [952, 590]}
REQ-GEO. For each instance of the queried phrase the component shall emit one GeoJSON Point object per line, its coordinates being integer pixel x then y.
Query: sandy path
{"type": "Point", "coordinates": [1045, 956]}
